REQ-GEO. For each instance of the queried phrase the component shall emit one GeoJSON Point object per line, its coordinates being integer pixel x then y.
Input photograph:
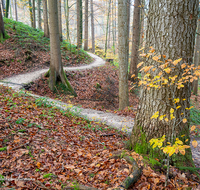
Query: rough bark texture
{"type": "Point", "coordinates": [60, 19]}
{"type": "Point", "coordinates": [171, 31]}
{"type": "Point", "coordinates": [196, 56]}
{"type": "Point", "coordinates": [79, 23]}
{"type": "Point", "coordinates": [135, 40]}
{"type": "Point", "coordinates": [34, 18]}
{"type": "Point", "coordinates": [31, 12]}
{"type": "Point", "coordinates": [92, 26]}
{"type": "Point", "coordinates": [86, 26]}
{"type": "Point", "coordinates": [39, 14]}
{"type": "Point", "coordinates": [2, 32]}
{"type": "Point", "coordinates": [56, 67]}
{"type": "Point", "coordinates": [122, 52]}
{"type": "Point", "coordinates": [45, 14]}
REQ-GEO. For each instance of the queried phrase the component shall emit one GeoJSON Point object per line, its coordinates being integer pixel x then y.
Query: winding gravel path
{"type": "Point", "coordinates": [110, 119]}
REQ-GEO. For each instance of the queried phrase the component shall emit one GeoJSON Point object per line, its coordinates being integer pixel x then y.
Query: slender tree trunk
{"type": "Point", "coordinates": [56, 67]}
{"type": "Point", "coordinates": [122, 53]}
{"type": "Point", "coordinates": [107, 26]}
{"type": "Point", "coordinates": [92, 26]}
{"type": "Point", "coordinates": [135, 40]}
{"type": "Point", "coordinates": [39, 14]}
{"type": "Point", "coordinates": [79, 23]}
{"type": "Point", "coordinates": [113, 26]}
{"type": "Point", "coordinates": [86, 26]}
{"type": "Point", "coordinates": [46, 25]}
{"type": "Point", "coordinates": [34, 18]}
{"type": "Point", "coordinates": [66, 8]}
{"type": "Point", "coordinates": [128, 24]}
{"type": "Point", "coordinates": [196, 56]}
{"type": "Point", "coordinates": [4, 7]}
{"type": "Point", "coordinates": [166, 37]}
{"type": "Point", "coordinates": [142, 23]}
{"type": "Point", "coordinates": [60, 19]}
{"type": "Point", "coordinates": [31, 12]}
{"type": "Point", "coordinates": [7, 8]}
{"type": "Point", "coordinates": [2, 32]}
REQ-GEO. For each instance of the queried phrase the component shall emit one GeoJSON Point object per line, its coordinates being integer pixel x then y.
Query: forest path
{"type": "Point", "coordinates": [119, 122]}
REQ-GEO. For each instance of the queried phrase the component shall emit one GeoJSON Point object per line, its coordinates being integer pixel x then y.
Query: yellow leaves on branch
{"type": "Point", "coordinates": [157, 142]}
{"type": "Point", "coordinates": [167, 70]}
{"type": "Point", "coordinates": [176, 61]}
{"type": "Point", "coordinates": [156, 115]}
{"type": "Point", "coordinates": [140, 64]}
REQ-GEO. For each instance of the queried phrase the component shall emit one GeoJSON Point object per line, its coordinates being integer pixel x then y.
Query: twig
{"type": "Point", "coordinates": [106, 135]}
{"type": "Point", "coordinates": [20, 146]}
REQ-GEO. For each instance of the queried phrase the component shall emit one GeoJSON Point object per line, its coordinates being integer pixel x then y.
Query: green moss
{"type": "Point", "coordinates": [3, 148]}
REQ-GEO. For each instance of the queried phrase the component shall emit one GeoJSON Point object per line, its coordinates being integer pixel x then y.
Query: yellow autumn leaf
{"type": "Point", "coordinates": [176, 100]}
{"type": "Point", "coordinates": [171, 110]}
{"type": "Point", "coordinates": [182, 151]}
{"type": "Point", "coordinates": [155, 58]}
{"type": "Point", "coordinates": [172, 116]}
{"type": "Point", "coordinates": [194, 143]}
{"type": "Point", "coordinates": [178, 107]}
{"type": "Point", "coordinates": [186, 140]}
{"type": "Point", "coordinates": [177, 61]}
{"type": "Point", "coordinates": [184, 120]}
{"type": "Point", "coordinates": [155, 115]}
{"type": "Point", "coordinates": [166, 119]}
{"type": "Point", "coordinates": [193, 128]}
{"type": "Point", "coordinates": [139, 64]}
{"type": "Point", "coordinates": [183, 65]}
{"type": "Point", "coordinates": [161, 117]}
{"type": "Point", "coordinates": [141, 49]}
{"type": "Point", "coordinates": [167, 70]}
{"type": "Point", "coordinates": [132, 76]}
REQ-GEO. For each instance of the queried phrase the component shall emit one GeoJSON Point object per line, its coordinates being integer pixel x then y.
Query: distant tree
{"type": "Point", "coordinates": [3, 6]}
{"type": "Point", "coordinates": [45, 14]}
{"type": "Point", "coordinates": [7, 8]}
{"type": "Point", "coordinates": [92, 26]}
{"type": "Point", "coordinates": [34, 18]}
{"type": "Point", "coordinates": [79, 23]}
{"type": "Point", "coordinates": [2, 32]}
{"type": "Point", "coordinates": [123, 54]}
{"type": "Point", "coordinates": [56, 67]}
{"type": "Point", "coordinates": [86, 26]}
{"type": "Point", "coordinates": [60, 20]}
{"type": "Point", "coordinates": [39, 14]}
{"type": "Point", "coordinates": [135, 40]}
{"type": "Point", "coordinates": [66, 8]}
{"type": "Point", "coordinates": [31, 12]}
{"type": "Point", "coordinates": [107, 26]}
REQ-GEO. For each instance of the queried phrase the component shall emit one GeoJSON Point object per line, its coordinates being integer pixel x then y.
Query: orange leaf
{"type": "Point", "coordinates": [194, 143]}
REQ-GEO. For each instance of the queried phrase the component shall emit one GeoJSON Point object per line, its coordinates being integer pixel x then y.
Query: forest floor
{"type": "Point", "coordinates": [54, 149]}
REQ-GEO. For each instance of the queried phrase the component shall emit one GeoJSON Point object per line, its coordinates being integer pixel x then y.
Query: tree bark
{"type": "Point", "coordinates": [7, 8]}
{"type": "Point", "coordinates": [39, 14]}
{"type": "Point", "coordinates": [60, 19]}
{"type": "Point", "coordinates": [92, 26]}
{"type": "Point", "coordinates": [107, 26]}
{"type": "Point", "coordinates": [16, 16]}
{"type": "Point", "coordinates": [2, 32]}
{"type": "Point", "coordinates": [135, 40]}
{"type": "Point", "coordinates": [86, 26]}
{"type": "Point", "coordinates": [196, 56]}
{"type": "Point", "coordinates": [34, 18]}
{"type": "Point", "coordinates": [4, 7]}
{"type": "Point", "coordinates": [46, 25]}
{"type": "Point", "coordinates": [66, 8]}
{"type": "Point", "coordinates": [31, 12]}
{"type": "Point", "coordinates": [122, 53]}
{"type": "Point", "coordinates": [142, 23]}
{"type": "Point", "coordinates": [171, 31]}
{"type": "Point", "coordinates": [56, 67]}
{"type": "Point", "coordinates": [79, 23]}
{"type": "Point", "coordinates": [128, 24]}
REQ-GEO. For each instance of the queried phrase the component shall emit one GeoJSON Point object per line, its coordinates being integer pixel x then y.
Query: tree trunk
{"type": "Point", "coordinates": [39, 14]}
{"type": "Point", "coordinates": [2, 32]}
{"type": "Point", "coordinates": [86, 26]}
{"type": "Point", "coordinates": [196, 56]}
{"type": "Point", "coordinates": [92, 26]}
{"type": "Point", "coordinates": [172, 36]}
{"type": "Point", "coordinates": [34, 19]}
{"type": "Point", "coordinates": [128, 24]}
{"type": "Point", "coordinates": [4, 7]}
{"type": "Point", "coordinates": [66, 8]}
{"type": "Point", "coordinates": [142, 23]}
{"type": "Point", "coordinates": [7, 8]}
{"type": "Point", "coordinates": [16, 16]}
{"type": "Point", "coordinates": [135, 40]}
{"type": "Point", "coordinates": [56, 67]}
{"type": "Point", "coordinates": [122, 53]}
{"type": "Point", "coordinates": [113, 26]}
{"type": "Point", "coordinates": [79, 23]}
{"type": "Point", "coordinates": [107, 25]}
{"type": "Point", "coordinates": [60, 19]}
{"type": "Point", "coordinates": [46, 26]}
{"type": "Point", "coordinates": [31, 12]}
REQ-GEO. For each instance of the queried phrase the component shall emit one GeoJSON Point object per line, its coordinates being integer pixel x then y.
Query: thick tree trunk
{"type": "Point", "coordinates": [56, 67]}
{"type": "Point", "coordinates": [39, 14]}
{"type": "Point", "coordinates": [86, 26]}
{"type": "Point", "coordinates": [2, 32]}
{"type": "Point", "coordinates": [92, 26]}
{"type": "Point", "coordinates": [60, 19]}
{"type": "Point", "coordinates": [34, 18]}
{"type": "Point", "coordinates": [122, 53]}
{"type": "Point", "coordinates": [79, 23]}
{"type": "Point", "coordinates": [4, 7]}
{"type": "Point", "coordinates": [135, 40]}
{"type": "Point", "coordinates": [172, 35]}
{"type": "Point", "coordinates": [196, 56]}
{"type": "Point", "coordinates": [31, 12]}
{"type": "Point", "coordinates": [46, 25]}
{"type": "Point", "coordinates": [66, 8]}
{"type": "Point", "coordinates": [7, 8]}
